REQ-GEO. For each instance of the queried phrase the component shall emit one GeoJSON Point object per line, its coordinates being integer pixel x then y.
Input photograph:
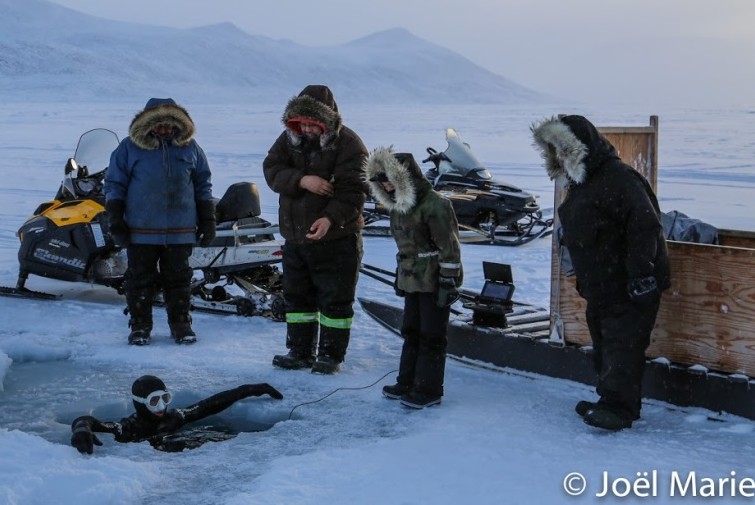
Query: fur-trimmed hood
{"type": "Point", "coordinates": [402, 171]}
{"type": "Point", "coordinates": [315, 104]}
{"type": "Point", "coordinates": [572, 148]}
{"type": "Point", "coordinates": [157, 111]}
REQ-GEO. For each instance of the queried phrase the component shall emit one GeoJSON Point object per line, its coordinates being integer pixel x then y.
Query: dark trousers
{"type": "Point", "coordinates": [319, 286]}
{"type": "Point", "coordinates": [423, 356]}
{"type": "Point", "coordinates": [152, 267]}
{"type": "Point", "coordinates": [620, 335]}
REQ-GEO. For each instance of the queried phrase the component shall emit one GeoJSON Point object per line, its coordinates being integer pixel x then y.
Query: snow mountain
{"type": "Point", "coordinates": [48, 50]}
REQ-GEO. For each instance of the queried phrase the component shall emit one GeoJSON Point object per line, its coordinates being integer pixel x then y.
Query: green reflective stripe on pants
{"type": "Point", "coordinates": [301, 317]}
{"type": "Point", "coordinates": [342, 324]}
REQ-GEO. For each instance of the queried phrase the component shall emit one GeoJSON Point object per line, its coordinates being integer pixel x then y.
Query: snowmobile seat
{"type": "Point", "coordinates": [241, 200]}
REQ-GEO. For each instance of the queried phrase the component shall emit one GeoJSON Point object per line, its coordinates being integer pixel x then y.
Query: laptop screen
{"type": "Point", "coordinates": [493, 292]}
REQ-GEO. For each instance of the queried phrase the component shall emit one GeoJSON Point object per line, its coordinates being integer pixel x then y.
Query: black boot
{"type": "Point", "coordinates": [180, 330]}
{"type": "Point", "coordinates": [406, 369]}
{"type": "Point", "coordinates": [332, 350]}
{"type": "Point", "coordinates": [429, 375]}
{"type": "Point", "coordinates": [178, 305]}
{"type": "Point", "coordinates": [396, 391]}
{"type": "Point", "coordinates": [139, 303]}
{"type": "Point", "coordinates": [293, 360]}
{"type": "Point", "coordinates": [608, 418]}
{"type": "Point", "coordinates": [300, 341]}
{"type": "Point", "coordinates": [140, 331]}
{"type": "Point", "coordinates": [583, 407]}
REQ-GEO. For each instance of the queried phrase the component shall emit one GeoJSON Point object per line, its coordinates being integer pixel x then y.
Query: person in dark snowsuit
{"type": "Point", "coordinates": [315, 166]}
{"type": "Point", "coordinates": [428, 274]}
{"type": "Point", "coordinates": [159, 202]}
{"type": "Point", "coordinates": [153, 421]}
{"type": "Point", "coordinates": [612, 231]}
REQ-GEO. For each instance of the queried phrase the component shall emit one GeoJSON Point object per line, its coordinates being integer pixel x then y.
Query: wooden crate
{"type": "Point", "coordinates": [707, 318]}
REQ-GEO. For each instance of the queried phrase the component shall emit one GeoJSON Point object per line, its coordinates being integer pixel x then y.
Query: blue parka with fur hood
{"type": "Point", "coordinates": [161, 181]}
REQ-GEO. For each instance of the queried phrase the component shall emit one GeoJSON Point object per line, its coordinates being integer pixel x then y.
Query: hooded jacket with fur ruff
{"type": "Point", "coordinates": [423, 222]}
{"type": "Point", "coordinates": [610, 216]}
{"type": "Point", "coordinates": [337, 157]}
{"type": "Point", "coordinates": [160, 180]}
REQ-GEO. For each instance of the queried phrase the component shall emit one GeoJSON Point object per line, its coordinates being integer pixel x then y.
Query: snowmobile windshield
{"type": "Point", "coordinates": [460, 159]}
{"type": "Point", "coordinates": [85, 172]}
{"type": "Point", "coordinates": [94, 149]}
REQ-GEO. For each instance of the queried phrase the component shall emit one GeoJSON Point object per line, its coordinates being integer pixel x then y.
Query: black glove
{"type": "Point", "coordinates": [643, 289]}
{"type": "Point", "coordinates": [118, 228]}
{"type": "Point", "coordinates": [205, 222]}
{"type": "Point", "coordinates": [447, 292]}
{"type": "Point", "coordinates": [262, 389]}
{"type": "Point", "coordinates": [83, 439]}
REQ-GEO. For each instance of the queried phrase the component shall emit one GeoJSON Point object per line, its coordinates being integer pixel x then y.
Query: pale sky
{"type": "Point", "coordinates": [645, 49]}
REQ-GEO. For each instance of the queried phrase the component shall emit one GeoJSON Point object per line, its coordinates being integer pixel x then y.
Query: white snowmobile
{"type": "Point", "coordinates": [68, 239]}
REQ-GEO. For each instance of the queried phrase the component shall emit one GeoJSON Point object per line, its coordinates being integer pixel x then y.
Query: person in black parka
{"type": "Point", "coordinates": [613, 234]}
{"type": "Point", "coordinates": [152, 420]}
{"type": "Point", "coordinates": [315, 166]}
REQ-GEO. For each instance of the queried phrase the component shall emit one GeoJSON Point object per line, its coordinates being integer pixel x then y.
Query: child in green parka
{"type": "Point", "coordinates": [428, 274]}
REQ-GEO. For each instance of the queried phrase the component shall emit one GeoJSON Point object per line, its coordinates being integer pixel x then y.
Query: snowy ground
{"type": "Point", "coordinates": [498, 437]}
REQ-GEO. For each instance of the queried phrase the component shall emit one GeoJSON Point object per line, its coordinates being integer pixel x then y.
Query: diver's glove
{"type": "Point", "coordinates": [643, 289]}
{"type": "Point", "coordinates": [117, 225]}
{"type": "Point", "coordinates": [206, 222]}
{"type": "Point", "coordinates": [447, 292]}
{"type": "Point", "coordinates": [262, 389]}
{"type": "Point", "coordinates": [82, 438]}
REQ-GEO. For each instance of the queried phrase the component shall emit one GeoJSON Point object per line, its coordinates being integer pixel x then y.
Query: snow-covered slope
{"type": "Point", "coordinates": [47, 49]}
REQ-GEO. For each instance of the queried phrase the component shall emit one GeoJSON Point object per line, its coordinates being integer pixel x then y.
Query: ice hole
{"type": "Point", "coordinates": [42, 398]}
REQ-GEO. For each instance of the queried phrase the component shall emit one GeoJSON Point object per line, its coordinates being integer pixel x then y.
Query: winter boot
{"type": "Point", "coordinates": [396, 391]}
{"type": "Point", "coordinates": [583, 407]}
{"type": "Point", "coordinates": [326, 365]}
{"type": "Point", "coordinates": [301, 339]}
{"type": "Point", "coordinates": [429, 375]}
{"type": "Point", "coordinates": [332, 349]}
{"type": "Point", "coordinates": [417, 400]}
{"type": "Point", "coordinates": [181, 331]}
{"type": "Point", "coordinates": [293, 360]}
{"type": "Point", "coordinates": [140, 331]}
{"type": "Point", "coordinates": [178, 304]}
{"type": "Point", "coordinates": [139, 303]}
{"type": "Point", "coordinates": [608, 418]}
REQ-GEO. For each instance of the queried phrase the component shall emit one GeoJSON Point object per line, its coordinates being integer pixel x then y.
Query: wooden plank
{"type": "Point", "coordinates": [736, 238]}
{"type": "Point", "coordinates": [706, 318]}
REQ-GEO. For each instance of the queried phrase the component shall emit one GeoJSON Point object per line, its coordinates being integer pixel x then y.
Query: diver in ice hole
{"type": "Point", "coordinates": [153, 421]}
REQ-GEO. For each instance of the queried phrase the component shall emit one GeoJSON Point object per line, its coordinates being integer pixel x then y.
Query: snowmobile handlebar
{"type": "Point", "coordinates": [435, 157]}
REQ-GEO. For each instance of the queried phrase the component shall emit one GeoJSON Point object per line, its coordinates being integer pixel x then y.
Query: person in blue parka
{"type": "Point", "coordinates": [158, 194]}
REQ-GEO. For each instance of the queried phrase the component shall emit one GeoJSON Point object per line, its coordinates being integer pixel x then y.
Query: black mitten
{"type": "Point", "coordinates": [643, 289]}
{"type": "Point", "coordinates": [117, 225]}
{"type": "Point", "coordinates": [83, 439]}
{"type": "Point", "coordinates": [447, 292]}
{"type": "Point", "coordinates": [262, 389]}
{"type": "Point", "coordinates": [205, 222]}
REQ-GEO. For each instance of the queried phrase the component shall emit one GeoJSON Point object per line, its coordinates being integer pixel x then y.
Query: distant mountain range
{"type": "Point", "coordinates": [47, 50]}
